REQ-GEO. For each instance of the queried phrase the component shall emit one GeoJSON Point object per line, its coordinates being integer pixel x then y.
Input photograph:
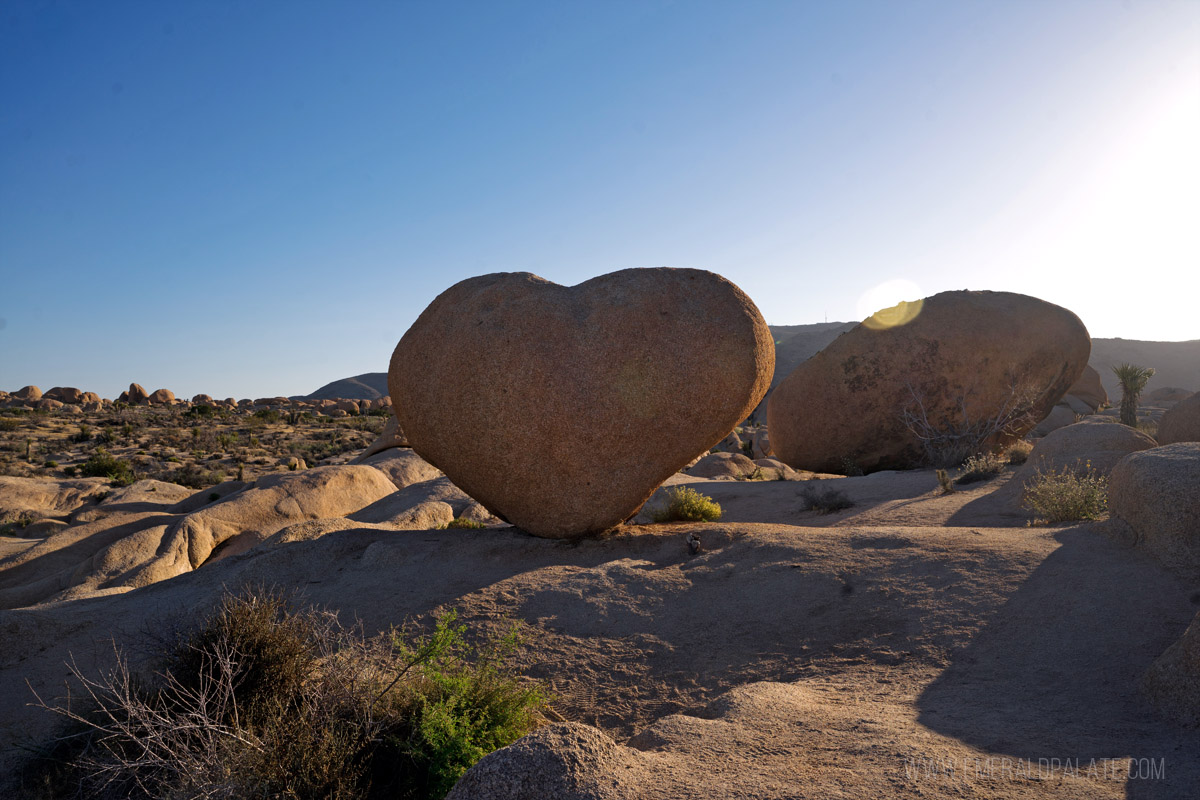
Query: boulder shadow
{"type": "Point", "coordinates": [1056, 673]}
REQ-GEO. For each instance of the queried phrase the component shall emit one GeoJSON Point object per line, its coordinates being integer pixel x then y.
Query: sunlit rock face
{"type": "Point", "coordinates": [982, 367]}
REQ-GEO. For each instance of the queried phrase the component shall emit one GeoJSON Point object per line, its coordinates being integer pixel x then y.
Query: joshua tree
{"type": "Point", "coordinates": [1133, 379]}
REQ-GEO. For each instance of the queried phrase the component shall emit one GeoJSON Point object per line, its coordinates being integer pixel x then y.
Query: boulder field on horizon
{"type": "Point", "coordinates": [561, 409]}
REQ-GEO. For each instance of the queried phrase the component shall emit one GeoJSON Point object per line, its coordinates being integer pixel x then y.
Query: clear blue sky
{"type": "Point", "coordinates": [255, 198]}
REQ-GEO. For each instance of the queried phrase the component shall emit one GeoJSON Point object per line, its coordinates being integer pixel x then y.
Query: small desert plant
{"type": "Point", "coordinates": [14, 527]}
{"type": "Point", "coordinates": [1019, 453]}
{"type": "Point", "coordinates": [1133, 380]}
{"type": "Point", "coordinates": [1066, 496]}
{"type": "Point", "coordinates": [9, 424]}
{"type": "Point", "coordinates": [85, 433]}
{"type": "Point", "coordinates": [851, 468]}
{"type": "Point", "coordinates": [104, 465]}
{"type": "Point", "coordinates": [945, 481]}
{"type": "Point", "coordinates": [825, 501]}
{"type": "Point", "coordinates": [948, 439]}
{"type": "Point", "coordinates": [260, 701]}
{"type": "Point", "coordinates": [50, 463]}
{"type": "Point", "coordinates": [464, 523]}
{"type": "Point", "coordinates": [981, 467]}
{"type": "Point", "coordinates": [685, 504]}
{"type": "Point", "coordinates": [192, 476]}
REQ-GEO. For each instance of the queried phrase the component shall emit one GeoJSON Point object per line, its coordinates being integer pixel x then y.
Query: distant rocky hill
{"type": "Point", "coordinates": [1175, 363]}
{"type": "Point", "coordinates": [367, 386]}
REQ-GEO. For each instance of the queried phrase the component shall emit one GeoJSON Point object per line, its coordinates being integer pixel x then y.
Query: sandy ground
{"type": "Point", "coordinates": [916, 645]}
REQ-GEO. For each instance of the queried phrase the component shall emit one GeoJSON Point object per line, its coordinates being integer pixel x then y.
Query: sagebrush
{"type": "Point", "coordinates": [262, 702]}
{"type": "Point", "coordinates": [685, 504]}
{"type": "Point", "coordinates": [980, 467]}
{"type": "Point", "coordinates": [1065, 495]}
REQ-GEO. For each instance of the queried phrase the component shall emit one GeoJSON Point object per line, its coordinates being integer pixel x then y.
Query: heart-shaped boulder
{"type": "Point", "coordinates": [561, 409]}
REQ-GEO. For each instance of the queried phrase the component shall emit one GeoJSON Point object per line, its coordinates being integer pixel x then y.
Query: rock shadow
{"type": "Point", "coordinates": [1056, 673]}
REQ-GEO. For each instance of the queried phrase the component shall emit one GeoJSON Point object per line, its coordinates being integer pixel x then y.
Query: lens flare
{"type": "Point", "coordinates": [885, 305]}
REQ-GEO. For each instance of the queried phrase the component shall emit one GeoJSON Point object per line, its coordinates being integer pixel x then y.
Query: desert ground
{"type": "Point", "coordinates": [916, 644]}
{"type": "Point", "coordinates": [910, 632]}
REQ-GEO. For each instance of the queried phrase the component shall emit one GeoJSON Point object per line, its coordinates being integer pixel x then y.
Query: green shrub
{"type": "Point", "coordinates": [1067, 496]}
{"type": "Point", "coordinates": [9, 424]}
{"type": "Point", "coordinates": [825, 501]}
{"type": "Point", "coordinates": [463, 522]}
{"type": "Point", "coordinates": [192, 476]}
{"type": "Point", "coordinates": [685, 504]}
{"type": "Point", "coordinates": [981, 467]}
{"type": "Point", "coordinates": [267, 415]}
{"type": "Point", "coordinates": [50, 463]}
{"type": "Point", "coordinates": [259, 701]}
{"type": "Point", "coordinates": [104, 465]}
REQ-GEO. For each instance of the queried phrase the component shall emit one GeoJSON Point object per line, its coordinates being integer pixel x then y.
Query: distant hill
{"type": "Point", "coordinates": [367, 386]}
{"type": "Point", "coordinates": [1175, 363]}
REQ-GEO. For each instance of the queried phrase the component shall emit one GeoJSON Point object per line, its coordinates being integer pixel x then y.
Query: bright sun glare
{"type": "Point", "coordinates": [900, 296]}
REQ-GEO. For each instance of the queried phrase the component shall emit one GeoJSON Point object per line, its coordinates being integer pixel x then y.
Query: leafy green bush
{"type": "Point", "coordinates": [1067, 496]}
{"type": "Point", "coordinates": [102, 464]}
{"type": "Point", "coordinates": [259, 701]}
{"type": "Point", "coordinates": [685, 504]}
{"type": "Point", "coordinates": [825, 500]}
{"type": "Point", "coordinates": [981, 467]}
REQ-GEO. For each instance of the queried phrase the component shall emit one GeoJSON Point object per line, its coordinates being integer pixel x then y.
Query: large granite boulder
{"type": "Point", "coordinates": [1157, 493]}
{"type": "Point", "coordinates": [561, 409]}
{"type": "Point", "coordinates": [161, 397]}
{"type": "Point", "coordinates": [28, 394]}
{"type": "Point", "coordinates": [1181, 423]}
{"type": "Point", "coordinates": [390, 437]}
{"type": "Point", "coordinates": [1089, 389]}
{"type": "Point", "coordinates": [723, 465]}
{"type": "Point", "coordinates": [933, 380]}
{"type": "Point", "coordinates": [1096, 443]}
{"type": "Point", "coordinates": [1173, 680]}
{"type": "Point", "coordinates": [65, 394]}
{"type": "Point", "coordinates": [135, 395]}
{"type": "Point", "coordinates": [566, 761]}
